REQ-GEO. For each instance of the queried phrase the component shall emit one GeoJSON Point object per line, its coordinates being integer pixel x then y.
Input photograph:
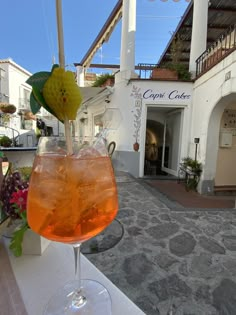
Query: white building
{"type": "Point", "coordinates": [155, 123]}
{"type": "Point", "coordinates": [195, 118]}
{"type": "Point", "coordinates": [14, 90]}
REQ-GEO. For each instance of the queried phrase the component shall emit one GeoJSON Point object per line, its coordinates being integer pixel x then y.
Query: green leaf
{"type": "Point", "coordinates": [34, 105]}
{"type": "Point", "coordinates": [39, 97]}
{"type": "Point", "coordinates": [17, 239]}
{"type": "Point", "coordinates": [38, 79]}
{"type": "Point", "coordinates": [54, 66]}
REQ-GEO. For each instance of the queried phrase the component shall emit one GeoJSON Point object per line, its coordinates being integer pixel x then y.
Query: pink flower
{"type": "Point", "coordinates": [19, 198]}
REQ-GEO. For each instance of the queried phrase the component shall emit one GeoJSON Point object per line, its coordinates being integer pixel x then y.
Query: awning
{"type": "Point", "coordinates": [94, 94]}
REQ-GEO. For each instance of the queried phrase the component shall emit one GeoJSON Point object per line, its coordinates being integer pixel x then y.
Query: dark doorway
{"type": "Point", "coordinates": [154, 149]}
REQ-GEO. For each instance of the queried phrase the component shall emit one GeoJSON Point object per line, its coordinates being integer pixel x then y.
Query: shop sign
{"type": "Point", "coordinates": [174, 95]}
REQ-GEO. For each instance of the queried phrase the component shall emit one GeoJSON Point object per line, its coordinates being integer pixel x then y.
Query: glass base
{"type": "Point", "coordinates": [94, 300]}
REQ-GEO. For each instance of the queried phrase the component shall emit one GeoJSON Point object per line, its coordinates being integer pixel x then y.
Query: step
{"type": "Point", "coordinates": [229, 190]}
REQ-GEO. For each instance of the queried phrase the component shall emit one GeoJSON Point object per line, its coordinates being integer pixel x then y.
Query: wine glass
{"type": "Point", "coordinates": [72, 198]}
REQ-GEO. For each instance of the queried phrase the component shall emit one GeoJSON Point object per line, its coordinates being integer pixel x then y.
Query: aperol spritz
{"type": "Point", "coordinates": [71, 198]}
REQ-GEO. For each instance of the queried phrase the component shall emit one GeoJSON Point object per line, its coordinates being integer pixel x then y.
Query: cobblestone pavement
{"type": "Point", "coordinates": [171, 256]}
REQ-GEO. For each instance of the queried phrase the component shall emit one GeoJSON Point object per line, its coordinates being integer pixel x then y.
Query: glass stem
{"type": "Point", "coordinates": [76, 248]}
{"type": "Point", "coordinates": [78, 298]}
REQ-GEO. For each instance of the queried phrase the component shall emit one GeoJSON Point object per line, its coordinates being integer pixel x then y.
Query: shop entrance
{"type": "Point", "coordinates": [163, 134]}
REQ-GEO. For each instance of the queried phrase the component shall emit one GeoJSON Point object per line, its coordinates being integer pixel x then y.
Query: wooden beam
{"type": "Point", "coordinates": [224, 10]}
{"type": "Point", "coordinates": [211, 26]}
{"type": "Point", "coordinates": [141, 66]}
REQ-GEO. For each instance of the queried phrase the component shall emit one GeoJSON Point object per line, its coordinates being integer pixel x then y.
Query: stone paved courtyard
{"type": "Point", "coordinates": [170, 257]}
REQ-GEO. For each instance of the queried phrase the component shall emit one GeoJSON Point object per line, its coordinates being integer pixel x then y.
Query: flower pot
{"type": "Point", "coordinates": [164, 73]}
{"type": "Point", "coordinates": [6, 145]}
{"type": "Point", "coordinates": [7, 108]}
{"type": "Point", "coordinates": [108, 82]}
{"type": "Point", "coordinates": [34, 244]}
{"type": "Point", "coordinates": [136, 146]}
{"type": "Point", "coordinates": [5, 141]}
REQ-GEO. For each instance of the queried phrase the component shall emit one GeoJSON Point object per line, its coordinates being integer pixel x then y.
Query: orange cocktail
{"type": "Point", "coordinates": [71, 199]}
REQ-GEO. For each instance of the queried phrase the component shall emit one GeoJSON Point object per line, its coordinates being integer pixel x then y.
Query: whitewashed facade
{"type": "Point", "coordinates": [214, 122]}
{"type": "Point", "coordinates": [203, 110]}
{"type": "Point", "coordinates": [182, 112]}
{"type": "Point", "coordinates": [14, 90]}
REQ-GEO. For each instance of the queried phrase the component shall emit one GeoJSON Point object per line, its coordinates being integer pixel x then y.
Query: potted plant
{"type": "Point", "coordinates": [164, 73]}
{"type": "Point", "coordinates": [7, 108]}
{"type": "Point", "coordinates": [173, 70]}
{"type": "Point", "coordinates": [105, 79]}
{"type": "Point", "coordinates": [13, 201]}
{"type": "Point", "coordinates": [186, 161]}
{"type": "Point", "coordinates": [181, 70]}
{"type": "Point", "coordinates": [192, 170]}
{"type": "Point", "coordinates": [192, 165]}
{"type": "Point", "coordinates": [5, 141]}
{"type": "Point", "coordinates": [196, 167]}
{"type": "Point", "coordinates": [136, 146]}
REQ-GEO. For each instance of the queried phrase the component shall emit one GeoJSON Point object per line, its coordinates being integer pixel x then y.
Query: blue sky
{"type": "Point", "coordinates": [29, 31]}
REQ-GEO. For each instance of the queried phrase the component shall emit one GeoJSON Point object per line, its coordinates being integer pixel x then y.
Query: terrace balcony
{"type": "Point", "coordinates": [220, 49]}
{"type": "Point", "coordinates": [214, 54]}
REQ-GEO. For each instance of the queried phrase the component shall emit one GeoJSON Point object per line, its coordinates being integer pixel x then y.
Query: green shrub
{"type": "Point", "coordinates": [196, 168]}
{"type": "Point", "coordinates": [101, 79]}
{"type": "Point", "coordinates": [5, 141]}
{"type": "Point", "coordinates": [181, 69]}
{"type": "Point", "coordinates": [193, 164]}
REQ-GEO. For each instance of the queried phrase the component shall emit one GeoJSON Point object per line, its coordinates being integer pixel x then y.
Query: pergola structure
{"type": "Point", "coordinates": [103, 35]}
{"type": "Point", "coordinates": [221, 15]}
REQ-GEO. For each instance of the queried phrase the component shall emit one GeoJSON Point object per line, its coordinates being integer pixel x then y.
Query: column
{"type": "Point", "coordinates": [127, 53]}
{"type": "Point", "coordinates": [80, 75]}
{"type": "Point", "coordinates": [199, 32]}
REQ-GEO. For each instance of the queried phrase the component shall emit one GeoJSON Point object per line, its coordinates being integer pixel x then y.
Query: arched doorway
{"type": "Point", "coordinates": [219, 170]}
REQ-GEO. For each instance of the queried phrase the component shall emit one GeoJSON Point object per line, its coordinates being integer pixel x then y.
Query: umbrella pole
{"type": "Point", "coordinates": [60, 34]}
{"type": "Point", "coordinates": [62, 65]}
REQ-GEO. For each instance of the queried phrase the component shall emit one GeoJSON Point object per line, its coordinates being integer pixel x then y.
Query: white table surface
{"type": "Point", "coordinates": [39, 277]}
